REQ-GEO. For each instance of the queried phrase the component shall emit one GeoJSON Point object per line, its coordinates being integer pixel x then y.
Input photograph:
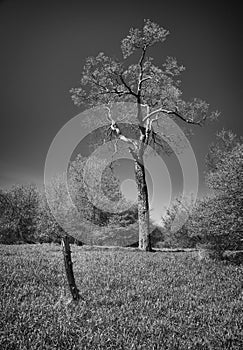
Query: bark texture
{"type": "Point", "coordinates": [143, 207]}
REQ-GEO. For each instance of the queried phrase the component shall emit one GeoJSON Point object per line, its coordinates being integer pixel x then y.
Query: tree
{"type": "Point", "coordinates": [7, 233]}
{"type": "Point", "coordinates": [156, 93]}
{"type": "Point", "coordinates": [104, 224]}
{"type": "Point", "coordinates": [47, 229]}
{"type": "Point", "coordinates": [225, 141]}
{"type": "Point", "coordinates": [19, 210]}
{"type": "Point", "coordinates": [178, 238]}
{"type": "Point", "coordinates": [59, 207]}
{"type": "Point", "coordinates": [110, 188]}
{"type": "Point", "coordinates": [61, 212]}
{"type": "Point", "coordinates": [218, 218]}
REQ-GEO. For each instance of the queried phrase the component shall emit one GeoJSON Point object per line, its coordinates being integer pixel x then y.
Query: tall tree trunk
{"type": "Point", "coordinates": [69, 268]}
{"type": "Point", "coordinates": [143, 206]}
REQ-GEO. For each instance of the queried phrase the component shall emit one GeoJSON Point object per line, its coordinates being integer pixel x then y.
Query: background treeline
{"type": "Point", "coordinates": [26, 216]}
{"type": "Point", "coordinates": [215, 221]}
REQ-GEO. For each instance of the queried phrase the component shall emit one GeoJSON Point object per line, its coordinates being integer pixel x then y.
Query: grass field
{"type": "Point", "coordinates": [130, 300]}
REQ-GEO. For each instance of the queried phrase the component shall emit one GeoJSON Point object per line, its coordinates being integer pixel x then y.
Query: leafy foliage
{"type": "Point", "coordinates": [218, 219]}
{"type": "Point", "coordinates": [48, 230]}
{"type": "Point", "coordinates": [178, 238]}
{"type": "Point", "coordinates": [109, 186]}
{"type": "Point", "coordinates": [151, 34]}
{"type": "Point", "coordinates": [226, 178]}
{"type": "Point", "coordinates": [19, 208]}
{"type": "Point", "coordinates": [105, 80]}
{"type": "Point", "coordinates": [26, 215]}
{"type": "Point", "coordinates": [225, 141]}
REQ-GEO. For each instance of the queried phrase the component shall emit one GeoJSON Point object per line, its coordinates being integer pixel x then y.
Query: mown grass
{"type": "Point", "coordinates": [130, 300]}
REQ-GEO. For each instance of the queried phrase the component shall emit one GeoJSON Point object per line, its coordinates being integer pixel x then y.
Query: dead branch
{"type": "Point", "coordinates": [116, 130]}
{"type": "Point", "coordinates": [166, 111]}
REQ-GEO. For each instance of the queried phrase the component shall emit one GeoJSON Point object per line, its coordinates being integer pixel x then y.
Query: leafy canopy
{"type": "Point", "coordinates": [105, 80]}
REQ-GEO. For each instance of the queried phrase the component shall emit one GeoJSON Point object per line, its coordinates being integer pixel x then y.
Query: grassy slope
{"type": "Point", "coordinates": [131, 300]}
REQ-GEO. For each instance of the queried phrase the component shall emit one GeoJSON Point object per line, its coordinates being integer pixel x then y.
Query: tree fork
{"type": "Point", "coordinates": [69, 268]}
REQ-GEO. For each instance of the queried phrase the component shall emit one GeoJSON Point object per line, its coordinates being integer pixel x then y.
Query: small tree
{"type": "Point", "coordinates": [101, 226]}
{"type": "Point", "coordinates": [7, 232]}
{"type": "Point", "coordinates": [156, 93]}
{"type": "Point", "coordinates": [59, 207]}
{"type": "Point", "coordinates": [48, 230]}
{"type": "Point", "coordinates": [224, 142]}
{"type": "Point", "coordinates": [110, 188]}
{"type": "Point", "coordinates": [218, 219]}
{"type": "Point", "coordinates": [178, 238]}
{"type": "Point", "coordinates": [61, 212]}
{"type": "Point", "coordinates": [19, 211]}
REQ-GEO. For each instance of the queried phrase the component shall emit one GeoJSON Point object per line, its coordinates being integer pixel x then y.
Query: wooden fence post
{"type": "Point", "coordinates": [69, 268]}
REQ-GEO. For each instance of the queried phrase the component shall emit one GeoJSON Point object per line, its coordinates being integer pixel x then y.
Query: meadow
{"type": "Point", "coordinates": [129, 300]}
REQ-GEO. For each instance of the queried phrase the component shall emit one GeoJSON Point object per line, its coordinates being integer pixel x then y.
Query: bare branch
{"type": "Point", "coordinates": [106, 90]}
{"type": "Point", "coordinates": [115, 147]}
{"type": "Point", "coordinates": [144, 79]}
{"type": "Point", "coordinates": [115, 129]}
{"type": "Point", "coordinates": [109, 118]}
{"type": "Point", "coordinates": [166, 111]}
{"type": "Point", "coordinates": [140, 78]}
{"type": "Point", "coordinates": [127, 86]}
{"type": "Point", "coordinates": [189, 121]}
{"type": "Point", "coordinates": [94, 81]}
{"type": "Point", "coordinates": [147, 107]}
{"type": "Point", "coordinates": [142, 56]}
{"type": "Point", "coordinates": [154, 119]}
{"type": "Point", "coordinates": [147, 132]}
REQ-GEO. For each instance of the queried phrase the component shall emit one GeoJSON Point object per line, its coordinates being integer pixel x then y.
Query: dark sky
{"type": "Point", "coordinates": [43, 46]}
